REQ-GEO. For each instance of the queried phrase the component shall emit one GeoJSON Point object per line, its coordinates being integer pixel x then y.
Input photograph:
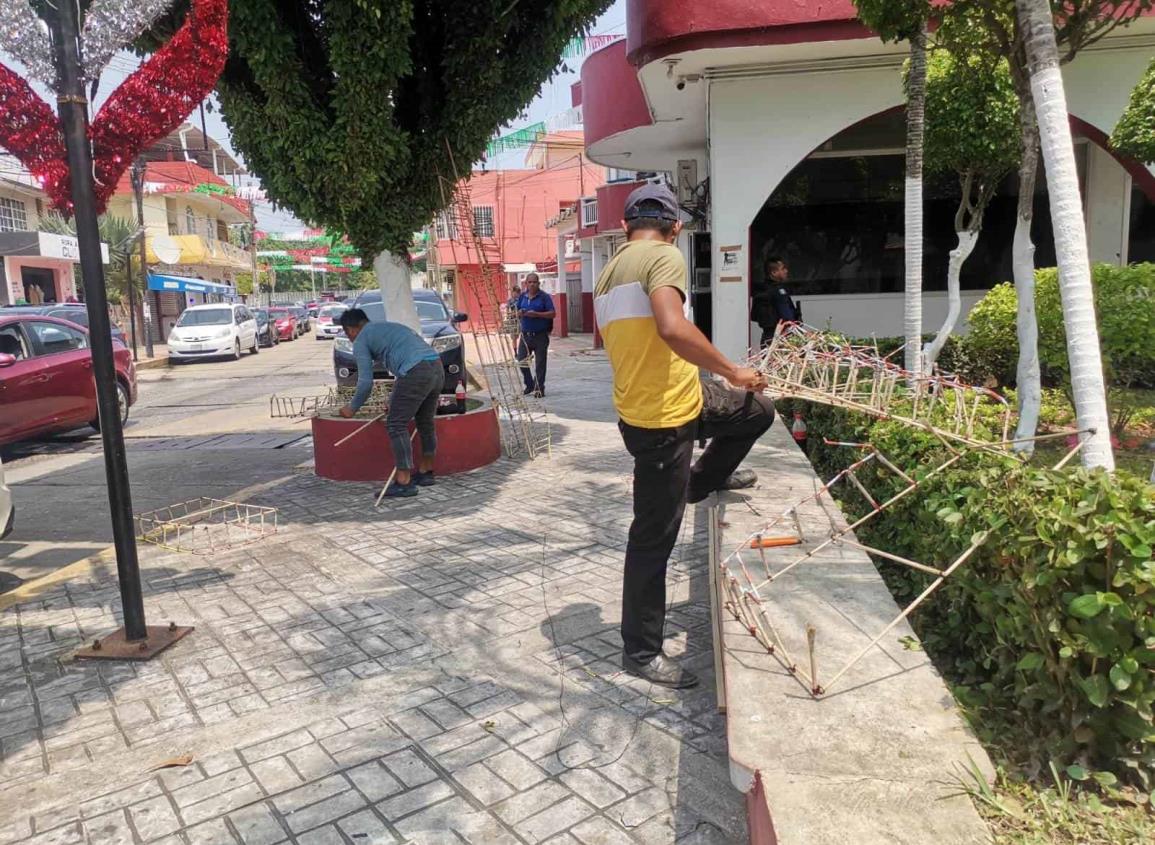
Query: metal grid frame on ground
{"type": "Point", "coordinates": [204, 525]}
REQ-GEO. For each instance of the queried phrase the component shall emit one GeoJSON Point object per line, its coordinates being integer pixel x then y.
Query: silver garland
{"type": "Point", "coordinates": [24, 37]}
{"type": "Point", "coordinates": [111, 25]}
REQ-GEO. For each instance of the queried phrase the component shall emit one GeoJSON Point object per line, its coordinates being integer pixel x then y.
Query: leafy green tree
{"type": "Point", "coordinates": [1135, 133]}
{"type": "Point", "coordinates": [906, 20]}
{"type": "Point", "coordinates": [998, 28]}
{"type": "Point", "coordinates": [972, 130]}
{"type": "Point", "coordinates": [354, 113]}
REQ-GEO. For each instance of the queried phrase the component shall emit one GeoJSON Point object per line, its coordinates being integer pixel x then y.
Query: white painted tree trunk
{"type": "Point", "coordinates": [396, 290]}
{"type": "Point", "coordinates": [1070, 230]}
{"type": "Point", "coordinates": [958, 256]}
{"type": "Point", "coordinates": [1028, 378]}
{"type": "Point", "coordinates": [912, 207]}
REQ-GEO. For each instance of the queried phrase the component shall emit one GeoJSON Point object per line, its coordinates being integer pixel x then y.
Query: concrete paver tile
{"type": "Point", "coordinates": [365, 828]}
{"type": "Point", "coordinates": [256, 825]}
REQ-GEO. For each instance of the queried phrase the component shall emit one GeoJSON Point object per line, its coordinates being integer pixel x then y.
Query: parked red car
{"type": "Point", "coordinates": [46, 382]}
{"type": "Point", "coordinates": [285, 322]}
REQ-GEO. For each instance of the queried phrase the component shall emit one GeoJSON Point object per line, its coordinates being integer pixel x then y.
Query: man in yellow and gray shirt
{"type": "Point", "coordinates": [663, 407]}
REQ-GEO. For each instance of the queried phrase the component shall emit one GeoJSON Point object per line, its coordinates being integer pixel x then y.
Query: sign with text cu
{"type": "Point", "coordinates": [65, 247]}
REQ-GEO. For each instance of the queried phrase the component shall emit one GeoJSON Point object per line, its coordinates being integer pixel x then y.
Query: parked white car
{"type": "Point", "coordinates": [7, 511]}
{"type": "Point", "coordinates": [327, 317]}
{"type": "Point", "coordinates": [213, 331]}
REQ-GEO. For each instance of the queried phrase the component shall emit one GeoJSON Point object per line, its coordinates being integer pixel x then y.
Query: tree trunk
{"type": "Point", "coordinates": [958, 256]}
{"type": "Point", "coordinates": [396, 291]}
{"type": "Point", "coordinates": [915, 117]}
{"type": "Point", "coordinates": [1028, 379]}
{"type": "Point", "coordinates": [1070, 230]}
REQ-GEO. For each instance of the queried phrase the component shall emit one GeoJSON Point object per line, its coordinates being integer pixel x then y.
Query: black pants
{"type": "Point", "coordinates": [664, 476]}
{"type": "Point", "coordinates": [414, 397]}
{"type": "Point", "coordinates": [538, 344]}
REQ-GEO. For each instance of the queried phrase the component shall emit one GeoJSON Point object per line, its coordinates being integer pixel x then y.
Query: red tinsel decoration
{"type": "Point", "coordinates": [30, 130]}
{"type": "Point", "coordinates": [148, 105]}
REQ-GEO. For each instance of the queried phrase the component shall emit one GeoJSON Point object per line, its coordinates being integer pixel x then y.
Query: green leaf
{"type": "Point", "coordinates": [1030, 661]}
{"type": "Point", "coordinates": [1077, 773]}
{"type": "Point", "coordinates": [1105, 778]}
{"type": "Point", "coordinates": [1066, 651]}
{"type": "Point", "coordinates": [1120, 678]}
{"type": "Point", "coordinates": [1086, 606]}
{"type": "Point", "coordinates": [1130, 665]}
{"type": "Point", "coordinates": [1096, 689]}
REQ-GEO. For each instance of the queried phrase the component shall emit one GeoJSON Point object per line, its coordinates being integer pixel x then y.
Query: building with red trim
{"type": "Point", "coordinates": [511, 209]}
{"type": "Point", "coordinates": [188, 211]}
{"type": "Point", "coordinates": [780, 123]}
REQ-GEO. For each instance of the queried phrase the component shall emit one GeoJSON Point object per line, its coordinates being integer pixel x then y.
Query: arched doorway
{"type": "Point", "coordinates": [837, 219]}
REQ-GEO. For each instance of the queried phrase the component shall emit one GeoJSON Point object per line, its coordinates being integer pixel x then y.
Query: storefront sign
{"type": "Point", "coordinates": [64, 246]}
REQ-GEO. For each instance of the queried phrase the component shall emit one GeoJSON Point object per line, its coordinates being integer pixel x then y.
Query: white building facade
{"type": "Point", "coordinates": [781, 126]}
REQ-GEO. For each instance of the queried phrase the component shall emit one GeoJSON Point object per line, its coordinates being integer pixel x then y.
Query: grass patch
{"type": "Point", "coordinates": [1021, 812]}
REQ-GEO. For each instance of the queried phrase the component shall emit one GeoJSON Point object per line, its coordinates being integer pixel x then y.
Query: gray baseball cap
{"type": "Point", "coordinates": [664, 205]}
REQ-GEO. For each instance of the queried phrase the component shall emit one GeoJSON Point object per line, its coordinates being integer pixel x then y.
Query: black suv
{"type": "Point", "coordinates": [438, 326]}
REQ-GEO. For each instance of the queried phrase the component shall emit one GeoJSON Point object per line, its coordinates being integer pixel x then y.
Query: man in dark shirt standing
{"type": "Point", "coordinates": [535, 308]}
{"type": "Point", "coordinates": [771, 303]}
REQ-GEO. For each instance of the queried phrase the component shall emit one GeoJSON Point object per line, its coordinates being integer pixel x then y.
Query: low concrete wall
{"type": "Point", "coordinates": [876, 759]}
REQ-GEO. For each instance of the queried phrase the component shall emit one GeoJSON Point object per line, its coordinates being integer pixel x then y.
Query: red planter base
{"type": "Point", "coordinates": [464, 442]}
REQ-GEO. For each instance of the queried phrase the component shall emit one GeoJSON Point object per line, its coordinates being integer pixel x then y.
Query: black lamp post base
{"type": "Point", "coordinates": [116, 647]}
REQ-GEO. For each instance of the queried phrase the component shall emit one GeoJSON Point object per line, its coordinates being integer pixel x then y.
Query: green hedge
{"type": "Point", "coordinates": [1124, 306]}
{"type": "Point", "coordinates": [1049, 630]}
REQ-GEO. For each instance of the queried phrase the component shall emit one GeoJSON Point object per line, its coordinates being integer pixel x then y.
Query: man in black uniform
{"type": "Point", "coordinates": [771, 303]}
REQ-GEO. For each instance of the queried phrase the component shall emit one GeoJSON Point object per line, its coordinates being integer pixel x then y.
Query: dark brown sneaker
{"type": "Point", "coordinates": [661, 671]}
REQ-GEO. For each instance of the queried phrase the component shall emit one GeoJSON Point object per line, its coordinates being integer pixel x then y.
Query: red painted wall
{"type": "Point", "coordinates": [656, 29]}
{"type": "Point", "coordinates": [612, 98]}
{"type": "Point", "coordinates": [464, 442]}
{"type": "Point", "coordinates": [612, 205]}
{"type": "Point", "coordinates": [523, 200]}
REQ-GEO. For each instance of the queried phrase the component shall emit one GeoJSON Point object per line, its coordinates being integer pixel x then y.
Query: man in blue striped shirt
{"type": "Point", "coordinates": [419, 375]}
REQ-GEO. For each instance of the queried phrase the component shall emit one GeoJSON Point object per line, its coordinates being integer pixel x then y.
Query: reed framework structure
{"type": "Point", "coordinates": [804, 363]}
{"type": "Point", "coordinates": [495, 332]}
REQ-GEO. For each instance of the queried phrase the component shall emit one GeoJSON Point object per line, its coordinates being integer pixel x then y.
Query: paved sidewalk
{"type": "Point", "coordinates": [441, 671]}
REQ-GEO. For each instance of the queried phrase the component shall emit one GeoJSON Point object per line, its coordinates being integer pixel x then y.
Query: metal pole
{"type": "Point", "coordinates": [137, 175]}
{"type": "Point", "coordinates": [73, 109]}
{"type": "Point", "coordinates": [256, 288]}
{"type": "Point", "coordinates": [131, 306]}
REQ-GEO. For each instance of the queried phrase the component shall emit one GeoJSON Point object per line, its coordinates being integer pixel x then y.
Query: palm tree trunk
{"type": "Point", "coordinates": [1070, 229]}
{"type": "Point", "coordinates": [396, 291]}
{"type": "Point", "coordinates": [1028, 380]}
{"type": "Point", "coordinates": [915, 118]}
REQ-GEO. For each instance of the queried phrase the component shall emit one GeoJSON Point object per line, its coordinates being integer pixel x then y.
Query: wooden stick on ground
{"type": "Point", "coordinates": [389, 480]}
{"type": "Point", "coordinates": [361, 428]}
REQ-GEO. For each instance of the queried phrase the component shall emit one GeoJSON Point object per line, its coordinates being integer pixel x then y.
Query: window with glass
{"type": "Point", "coordinates": [53, 338]}
{"type": "Point", "coordinates": [13, 215]}
{"type": "Point", "coordinates": [483, 221]}
{"type": "Point", "coordinates": [446, 231]}
{"type": "Point", "coordinates": [837, 220]}
{"type": "Point", "coordinates": [430, 310]}
{"type": "Point", "coordinates": [206, 317]}
{"type": "Point", "coordinates": [589, 212]}
{"type": "Point", "coordinates": [12, 343]}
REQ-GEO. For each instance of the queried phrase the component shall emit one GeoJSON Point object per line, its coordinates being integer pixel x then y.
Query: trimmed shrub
{"type": "Point", "coordinates": [1050, 627]}
{"type": "Point", "coordinates": [1124, 307]}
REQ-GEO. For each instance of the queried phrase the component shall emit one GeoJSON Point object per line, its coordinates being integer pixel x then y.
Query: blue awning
{"type": "Point", "coordinates": [184, 284]}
